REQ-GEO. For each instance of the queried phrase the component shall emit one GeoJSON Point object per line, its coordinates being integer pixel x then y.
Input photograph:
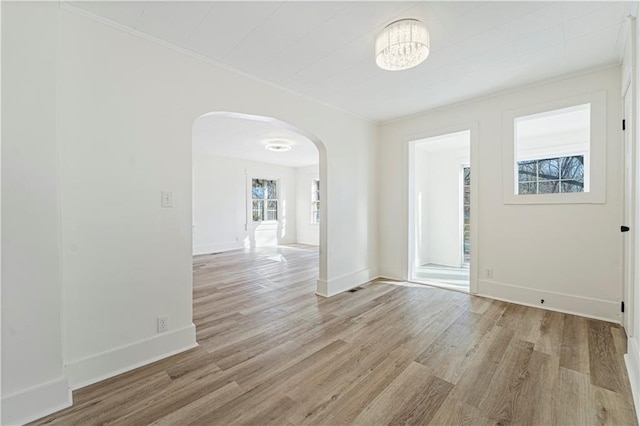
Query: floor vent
{"type": "Point", "coordinates": [213, 254]}
{"type": "Point", "coordinates": [353, 290]}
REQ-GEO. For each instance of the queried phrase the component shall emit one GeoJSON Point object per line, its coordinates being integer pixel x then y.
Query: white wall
{"type": "Point", "coordinates": [307, 232]}
{"type": "Point", "coordinates": [582, 273]}
{"type": "Point", "coordinates": [420, 193]}
{"type": "Point", "coordinates": [439, 195]}
{"type": "Point", "coordinates": [32, 373]}
{"type": "Point", "coordinates": [221, 208]}
{"type": "Point", "coordinates": [125, 135]}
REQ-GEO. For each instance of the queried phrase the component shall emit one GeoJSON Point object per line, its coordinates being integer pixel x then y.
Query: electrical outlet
{"type": "Point", "coordinates": [163, 324]}
{"type": "Point", "coordinates": [488, 273]}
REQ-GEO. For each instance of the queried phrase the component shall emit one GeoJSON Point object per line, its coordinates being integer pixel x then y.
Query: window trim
{"type": "Point", "coordinates": [596, 156]}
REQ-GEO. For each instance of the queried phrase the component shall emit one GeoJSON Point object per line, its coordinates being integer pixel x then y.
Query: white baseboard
{"type": "Point", "coordinates": [632, 361]}
{"type": "Point", "coordinates": [217, 247]}
{"type": "Point", "coordinates": [119, 360]}
{"type": "Point", "coordinates": [36, 402]}
{"type": "Point", "coordinates": [328, 288]}
{"type": "Point", "coordinates": [584, 306]}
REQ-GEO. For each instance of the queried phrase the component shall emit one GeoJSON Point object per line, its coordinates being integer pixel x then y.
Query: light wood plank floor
{"type": "Point", "coordinates": [272, 352]}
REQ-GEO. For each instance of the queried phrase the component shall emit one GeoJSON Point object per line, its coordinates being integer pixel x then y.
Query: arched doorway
{"type": "Point", "coordinates": [263, 131]}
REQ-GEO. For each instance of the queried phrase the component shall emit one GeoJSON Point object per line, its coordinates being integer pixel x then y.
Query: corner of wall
{"type": "Point", "coordinates": [328, 288]}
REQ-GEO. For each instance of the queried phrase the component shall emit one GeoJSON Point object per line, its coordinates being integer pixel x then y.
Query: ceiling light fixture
{"type": "Point", "coordinates": [278, 147]}
{"type": "Point", "coordinates": [402, 45]}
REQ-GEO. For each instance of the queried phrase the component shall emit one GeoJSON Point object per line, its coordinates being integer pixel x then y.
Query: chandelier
{"type": "Point", "coordinates": [402, 45]}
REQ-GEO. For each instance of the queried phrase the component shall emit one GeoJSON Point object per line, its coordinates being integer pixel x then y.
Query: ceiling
{"type": "Point", "coordinates": [233, 137]}
{"type": "Point", "coordinates": [324, 50]}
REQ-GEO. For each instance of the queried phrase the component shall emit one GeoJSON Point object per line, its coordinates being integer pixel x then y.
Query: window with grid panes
{"type": "Point", "coordinates": [551, 175]}
{"type": "Point", "coordinates": [466, 206]}
{"type": "Point", "coordinates": [315, 201]}
{"type": "Point", "coordinates": [264, 194]}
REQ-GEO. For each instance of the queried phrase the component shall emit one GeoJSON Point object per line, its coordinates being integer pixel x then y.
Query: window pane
{"type": "Point", "coordinates": [527, 171]}
{"type": "Point", "coordinates": [272, 210]}
{"type": "Point", "coordinates": [548, 169]}
{"type": "Point", "coordinates": [272, 191]}
{"type": "Point", "coordinates": [316, 215]}
{"type": "Point", "coordinates": [467, 195]}
{"type": "Point", "coordinates": [573, 168]}
{"type": "Point", "coordinates": [257, 191]}
{"type": "Point", "coordinates": [548, 187]}
{"type": "Point", "coordinates": [527, 188]}
{"type": "Point", "coordinates": [569, 187]}
{"type": "Point", "coordinates": [315, 190]}
{"type": "Point", "coordinates": [467, 175]}
{"type": "Point", "coordinates": [467, 212]}
{"type": "Point", "coordinates": [257, 210]}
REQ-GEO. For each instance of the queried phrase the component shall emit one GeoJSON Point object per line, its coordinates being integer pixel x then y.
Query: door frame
{"type": "Point", "coordinates": [410, 150]}
{"type": "Point", "coordinates": [629, 211]}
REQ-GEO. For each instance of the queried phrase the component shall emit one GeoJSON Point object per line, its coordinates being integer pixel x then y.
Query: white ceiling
{"type": "Point", "coordinates": [245, 139]}
{"type": "Point", "coordinates": [324, 50]}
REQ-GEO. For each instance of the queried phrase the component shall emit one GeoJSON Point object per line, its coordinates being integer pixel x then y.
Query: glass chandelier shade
{"type": "Point", "coordinates": [402, 45]}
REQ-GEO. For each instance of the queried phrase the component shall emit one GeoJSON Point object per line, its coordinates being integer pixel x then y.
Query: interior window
{"type": "Point", "coordinates": [552, 151]}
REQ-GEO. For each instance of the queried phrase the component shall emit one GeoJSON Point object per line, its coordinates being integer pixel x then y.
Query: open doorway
{"type": "Point", "coordinates": [441, 198]}
{"type": "Point", "coordinates": [258, 188]}
{"type": "Point", "coordinates": [252, 185]}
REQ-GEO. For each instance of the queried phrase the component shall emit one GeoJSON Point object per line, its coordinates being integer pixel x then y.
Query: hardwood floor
{"type": "Point", "coordinates": [272, 352]}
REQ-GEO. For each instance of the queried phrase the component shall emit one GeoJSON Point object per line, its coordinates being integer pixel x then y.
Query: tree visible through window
{"type": "Point", "coordinates": [264, 194]}
{"type": "Point", "coordinates": [315, 201]}
{"type": "Point", "coordinates": [551, 175]}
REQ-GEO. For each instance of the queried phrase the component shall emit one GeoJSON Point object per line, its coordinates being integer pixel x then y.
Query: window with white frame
{"type": "Point", "coordinates": [315, 201]}
{"type": "Point", "coordinates": [551, 149]}
{"type": "Point", "coordinates": [264, 194]}
{"type": "Point", "coordinates": [555, 152]}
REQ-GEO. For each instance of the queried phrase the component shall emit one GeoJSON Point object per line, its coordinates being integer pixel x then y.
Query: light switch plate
{"type": "Point", "coordinates": [166, 199]}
